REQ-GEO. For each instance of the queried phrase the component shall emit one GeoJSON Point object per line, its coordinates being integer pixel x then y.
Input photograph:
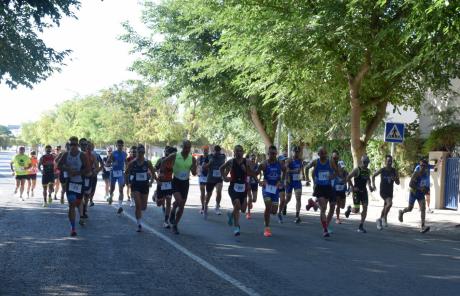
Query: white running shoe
{"type": "Point", "coordinates": [378, 222]}
{"type": "Point", "coordinates": [132, 204]}
{"type": "Point", "coordinates": [385, 223]}
{"type": "Point", "coordinates": [217, 211]}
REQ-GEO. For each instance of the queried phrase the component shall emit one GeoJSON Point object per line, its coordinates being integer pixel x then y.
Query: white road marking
{"type": "Point", "coordinates": [196, 258]}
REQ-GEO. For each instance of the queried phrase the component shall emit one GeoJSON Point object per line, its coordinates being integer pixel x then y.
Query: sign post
{"type": "Point", "coordinates": [394, 133]}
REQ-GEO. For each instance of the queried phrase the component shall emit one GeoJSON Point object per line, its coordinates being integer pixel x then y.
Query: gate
{"type": "Point", "coordinates": [452, 188]}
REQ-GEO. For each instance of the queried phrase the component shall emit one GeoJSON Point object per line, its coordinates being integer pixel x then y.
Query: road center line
{"type": "Point", "coordinates": [197, 259]}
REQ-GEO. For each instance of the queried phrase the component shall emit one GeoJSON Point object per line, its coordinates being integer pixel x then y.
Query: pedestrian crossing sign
{"type": "Point", "coordinates": [394, 132]}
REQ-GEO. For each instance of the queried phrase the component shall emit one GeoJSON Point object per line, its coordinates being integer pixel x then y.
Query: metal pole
{"type": "Point", "coordinates": [392, 149]}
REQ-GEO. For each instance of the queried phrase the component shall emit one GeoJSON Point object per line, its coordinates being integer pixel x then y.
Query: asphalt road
{"type": "Point", "coordinates": [37, 256]}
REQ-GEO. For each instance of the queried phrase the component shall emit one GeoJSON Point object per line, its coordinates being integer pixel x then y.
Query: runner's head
{"type": "Point", "coordinates": [73, 144]}
{"type": "Point", "coordinates": [22, 150]}
{"type": "Point", "coordinates": [58, 149]}
{"type": "Point", "coordinates": [388, 160]}
{"type": "Point", "coordinates": [335, 156]}
{"type": "Point", "coordinates": [322, 153]}
{"type": "Point", "coordinates": [83, 144]}
{"type": "Point", "coordinates": [296, 151]}
{"type": "Point", "coordinates": [253, 157]}
{"type": "Point", "coordinates": [33, 153]}
{"type": "Point", "coordinates": [186, 147]}
{"type": "Point", "coordinates": [365, 161]}
{"type": "Point", "coordinates": [238, 152]}
{"type": "Point", "coordinates": [341, 166]}
{"type": "Point", "coordinates": [423, 163]}
{"type": "Point", "coordinates": [120, 145]}
{"type": "Point", "coordinates": [217, 150]}
{"type": "Point", "coordinates": [109, 150]}
{"type": "Point", "coordinates": [133, 151]}
{"type": "Point", "coordinates": [272, 152]}
{"type": "Point", "coordinates": [90, 146]}
{"type": "Point", "coordinates": [140, 149]}
{"type": "Point", "coordinates": [205, 150]}
{"type": "Point", "coordinates": [48, 149]}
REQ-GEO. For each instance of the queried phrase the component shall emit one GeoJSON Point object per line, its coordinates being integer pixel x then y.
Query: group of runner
{"type": "Point", "coordinates": [279, 177]}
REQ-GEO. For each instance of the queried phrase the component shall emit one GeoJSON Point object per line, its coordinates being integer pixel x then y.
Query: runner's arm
{"type": "Point", "coordinates": [40, 163]}
{"type": "Point", "coordinates": [152, 171]}
{"type": "Point", "coordinates": [86, 169]}
{"type": "Point", "coordinates": [375, 175]}
{"type": "Point", "coordinates": [397, 180]}
{"type": "Point", "coordinates": [225, 169]}
{"type": "Point", "coordinates": [61, 163]}
{"type": "Point", "coordinates": [353, 174]}
{"type": "Point", "coordinates": [312, 164]}
{"type": "Point", "coordinates": [260, 171]}
{"type": "Point", "coordinates": [194, 166]}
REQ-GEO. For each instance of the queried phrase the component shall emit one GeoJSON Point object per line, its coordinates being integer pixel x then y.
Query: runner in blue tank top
{"type": "Point", "coordinates": [117, 161]}
{"type": "Point", "coordinates": [294, 168]}
{"type": "Point", "coordinates": [273, 171]}
{"type": "Point", "coordinates": [324, 171]}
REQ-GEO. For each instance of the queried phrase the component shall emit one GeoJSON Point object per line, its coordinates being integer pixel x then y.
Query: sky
{"type": "Point", "coordinates": [98, 59]}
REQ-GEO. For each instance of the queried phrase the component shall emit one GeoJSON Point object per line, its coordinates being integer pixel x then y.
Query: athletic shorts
{"type": "Point", "coordinates": [62, 179]}
{"type": "Point", "coordinates": [340, 195]}
{"type": "Point", "coordinates": [210, 186]}
{"type": "Point", "coordinates": [325, 191]}
{"type": "Point", "coordinates": [164, 193]}
{"type": "Point", "coordinates": [202, 180]}
{"type": "Point", "coordinates": [181, 186]}
{"type": "Point", "coordinates": [93, 184]}
{"type": "Point", "coordinates": [105, 175]}
{"type": "Point", "coordinates": [33, 177]}
{"type": "Point", "coordinates": [293, 186]}
{"type": "Point", "coordinates": [360, 197]}
{"type": "Point", "coordinates": [241, 196]}
{"type": "Point", "coordinates": [274, 197]}
{"type": "Point", "coordinates": [385, 195]}
{"type": "Point", "coordinates": [74, 192]}
{"type": "Point", "coordinates": [48, 179]}
{"type": "Point", "coordinates": [120, 179]}
{"type": "Point", "coordinates": [416, 196]}
{"type": "Point", "coordinates": [22, 177]}
{"type": "Point", "coordinates": [254, 186]}
{"type": "Point", "coordinates": [141, 187]}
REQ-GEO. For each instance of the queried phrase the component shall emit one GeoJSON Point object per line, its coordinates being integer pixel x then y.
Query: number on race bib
{"type": "Point", "coordinates": [239, 187]}
{"type": "Point", "coordinates": [141, 177]}
{"type": "Point", "coordinates": [203, 179]}
{"type": "Point", "coordinates": [216, 173]}
{"type": "Point", "coordinates": [183, 175]}
{"type": "Point", "coordinates": [166, 186]}
{"type": "Point", "coordinates": [270, 189]}
{"type": "Point", "coordinates": [74, 187]}
{"type": "Point", "coordinates": [117, 174]}
{"type": "Point", "coordinates": [323, 176]}
{"type": "Point", "coordinates": [296, 177]}
{"type": "Point", "coordinates": [107, 169]}
{"type": "Point", "coordinates": [66, 175]}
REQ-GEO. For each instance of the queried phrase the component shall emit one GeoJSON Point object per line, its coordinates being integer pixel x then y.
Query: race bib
{"type": "Point", "coordinates": [339, 187]}
{"type": "Point", "coordinates": [86, 182]}
{"type": "Point", "coordinates": [166, 186]}
{"type": "Point", "coordinates": [117, 174]}
{"type": "Point", "coordinates": [141, 177]}
{"type": "Point", "coordinates": [203, 179]}
{"type": "Point", "coordinates": [296, 177]}
{"type": "Point", "coordinates": [74, 187]}
{"type": "Point", "coordinates": [107, 169]}
{"type": "Point", "coordinates": [66, 174]}
{"type": "Point", "coordinates": [323, 176]}
{"type": "Point", "coordinates": [239, 187]}
{"type": "Point", "coordinates": [216, 173]}
{"type": "Point", "coordinates": [183, 175]}
{"type": "Point", "coordinates": [270, 189]}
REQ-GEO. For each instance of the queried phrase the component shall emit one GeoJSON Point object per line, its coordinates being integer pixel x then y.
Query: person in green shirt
{"type": "Point", "coordinates": [19, 166]}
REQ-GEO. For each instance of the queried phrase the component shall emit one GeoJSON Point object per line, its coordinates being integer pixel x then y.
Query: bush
{"type": "Point", "coordinates": [443, 139]}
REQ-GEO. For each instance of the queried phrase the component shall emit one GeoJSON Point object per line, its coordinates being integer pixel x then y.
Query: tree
{"type": "Point", "coordinates": [24, 57]}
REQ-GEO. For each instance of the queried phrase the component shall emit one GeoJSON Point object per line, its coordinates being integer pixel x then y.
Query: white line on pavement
{"type": "Point", "coordinates": [197, 259]}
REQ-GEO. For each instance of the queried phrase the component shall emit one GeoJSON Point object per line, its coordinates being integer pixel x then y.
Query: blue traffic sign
{"type": "Point", "coordinates": [394, 132]}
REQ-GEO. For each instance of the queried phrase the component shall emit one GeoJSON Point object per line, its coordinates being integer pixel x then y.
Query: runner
{"type": "Point", "coordinates": [253, 185]}
{"type": "Point", "coordinates": [96, 168]}
{"type": "Point", "coordinates": [340, 186]}
{"type": "Point", "coordinates": [131, 156]}
{"type": "Point", "coordinates": [140, 172]}
{"type": "Point", "coordinates": [361, 177]}
{"type": "Point", "coordinates": [426, 176]}
{"type": "Point", "coordinates": [418, 188]}
{"type": "Point", "coordinates": [239, 169]}
{"type": "Point", "coordinates": [46, 167]}
{"type": "Point", "coordinates": [282, 190]}
{"type": "Point", "coordinates": [106, 169]}
{"type": "Point", "coordinates": [19, 166]}
{"type": "Point", "coordinates": [32, 173]}
{"type": "Point", "coordinates": [91, 164]}
{"type": "Point", "coordinates": [164, 184]}
{"type": "Point", "coordinates": [72, 163]}
{"type": "Point", "coordinates": [294, 168]}
{"type": "Point", "coordinates": [117, 161]}
{"type": "Point", "coordinates": [203, 175]}
{"type": "Point", "coordinates": [324, 171]}
{"type": "Point", "coordinates": [57, 173]}
{"type": "Point", "coordinates": [335, 158]}
{"type": "Point", "coordinates": [214, 179]}
{"type": "Point", "coordinates": [182, 163]}
{"type": "Point", "coordinates": [63, 176]}
{"type": "Point", "coordinates": [389, 176]}
{"type": "Point", "coordinates": [272, 169]}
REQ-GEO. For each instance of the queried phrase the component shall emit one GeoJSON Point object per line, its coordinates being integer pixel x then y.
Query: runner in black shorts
{"type": "Point", "coordinates": [164, 190]}
{"type": "Point", "coordinates": [239, 169]}
{"type": "Point", "coordinates": [203, 160]}
{"type": "Point", "coordinates": [253, 184]}
{"type": "Point", "coordinates": [340, 187]}
{"type": "Point", "coordinates": [389, 176]}
{"type": "Point", "coordinates": [214, 180]}
{"type": "Point", "coordinates": [46, 167]}
{"type": "Point", "coordinates": [106, 172]}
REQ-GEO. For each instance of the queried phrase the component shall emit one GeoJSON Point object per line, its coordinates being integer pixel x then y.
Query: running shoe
{"type": "Point", "coordinates": [248, 216]}
{"type": "Point", "coordinates": [91, 204]}
{"type": "Point", "coordinates": [400, 216]}
{"type": "Point", "coordinates": [174, 229]}
{"type": "Point", "coordinates": [236, 231]}
{"type": "Point", "coordinates": [50, 200]}
{"type": "Point", "coordinates": [172, 218]}
{"type": "Point", "coordinates": [139, 228]}
{"type": "Point", "coordinates": [81, 221]}
{"type": "Point", "coordinates": [267, 232]}
{"type": "Point", "coordinates": [378, 222]}
{"type": "Point", "coordinates": [425, 229]}
{"type": "Point", "coordinates": [73, 233]}
{"type": "Point", "coordinates": [348, 212]}
{"type": "Point", "coordinates": [297, 220]}
{"type": "Point", "coordinates": [120, 210]}
{"type": "Point", "coordinates": [85, 216]}
{"type": "Point", "coordinates": [338, 221]}
{"type": "Point", "coordinates": [280, 218]}
{"type": "Point", "coordinates": [285, 210]}
{"type": "Point", "coordinates": [229, 218]}
{"type": "Point", "coordinates": [15, 191]}
{"type": "Point", "coordinates": [385, 223]}
{"type": "Point", "coordinates": [166, 225]}
{"type": "Point", "coordinates": [132, 203]}
{"type": "Point", "coordinates": [55, 197]}
{"type": "Point", "coordinates": [326, 234]}
{"type": "Point", "coordinates": [110, 200]}
{"type": "Point", "coordinates": [201, 212]}
{"type": "Point", "coordinates": [329, 230]}
{"type": "Point", "coordinates": [45, 204]}
{"type": "Point", "coordinates": [361, 229]}
{"type": "Point", "coordinates": [429, 211]}
{"type": "Point", "coordinates": [217, 211]}
{"type": "Point", "coordinates": [310, 204]}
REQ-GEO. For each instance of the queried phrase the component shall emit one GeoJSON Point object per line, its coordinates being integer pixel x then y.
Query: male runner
{"type": "Point", "coordinates": [117, 161]}
{"type": "Point", "coordinates": [389, 176]}
{"type": "Point", "coordinates": [182, 163]}
{"type": "Point", "coordinates": [340, 186]}
{"type": "Point", "coordinates": [203, 175]}
{"type": "Point", "coordinates": [32, 172]}
{"type": "Point", "coordinates": [57, 173]}
{"type": "Point", "coordinates": [214, 179]}
{"type": "Point", "coordinates": [92, 164]}
{"type": "Point", "coordinates": [239, 169]}
{"type": "Point", "coordinates": [294, 167]}
{"type": "Point", "coordinates": [106, 169]}
{"type": "Point", "coordinates": [19, 166]}
{"type": "Point", "coordinates": [253, 185]}
{"type": "Point", "coordinates": [63, 176]}
{"type": "Point", "coordinates": [164, 184]}
{"type": "Point", "coordinates": [46, 167]}
{"type": "Point", "coordinates": [273, 171]}
{"type": "Point", "coordinates": [426, 176]}
{"type": "Point", "coordinates": [96, 168]}
{"type": "Point", "coordinates": [324, 171]}
{"type": "Point", "coordinates": [140, 172]}
{"type": "Point", "coordinates": [282, 189]}
{"type": "Point", "coordinates": [361, 177]}
{"type": "Point", "coordinates": [418, 188]}
{"type": "Point", "coordinates": [72, 163]}
{"type": "Point", "coordinates": [131, 156]}
{"type": "Point", "coordinates": [335, 158]}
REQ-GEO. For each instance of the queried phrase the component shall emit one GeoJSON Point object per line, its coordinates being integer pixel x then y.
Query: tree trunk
{"type": "Point", "coordinates": [268, 141]}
